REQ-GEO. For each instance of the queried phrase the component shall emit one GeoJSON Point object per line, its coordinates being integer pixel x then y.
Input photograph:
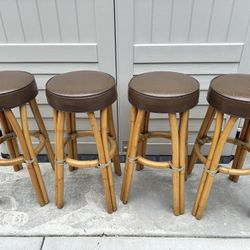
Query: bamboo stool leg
{"type": "Point", "coordinates": [175, 162]}
{"type": "Point", "coordinates": [14, 143]}
{"type": "Point", "coordinates": [183, 156]}
{"type": "Point", "coordinates": [11, 118]}
{"type": "Point", "coordinates": [143, 143]}
{"type": "Point", "coordinates": [186, 143]}
{"type": "Point", "coordinates": [55, 117]}
{"type": "Point", "coordinates": [104, 133]}
{"type": "Point", "coordinates": [59, 157]}
{"type": "Point", "coordinates": [206, 124]}
{"type": "Point", "coordinates": [214, 164]}
{"type": "Point", "coordinates": [132, 151]}
{"type": "Point", "coordinates": [11, 144]}
{"type": "Point", "coordinates": [74, 141]}
{"type": "Point", "coordinates": [112, 132]}
{"type": "Point", "coordinates": [24, 121]}
{"type": "Point", "coordinates": [217, 131]}
{"type": "Point", "coordinates": [43, 130]}
{"type": "Point", "coordinates": [101, 156]}
{"type": "Point", "coordinates": [69, 130]}
{"type": "Point", "coordinates": [240, 154]}
{"type": "Point", "coordinates": [133, 114]}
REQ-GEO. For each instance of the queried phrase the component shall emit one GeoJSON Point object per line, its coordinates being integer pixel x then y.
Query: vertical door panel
{"type": "Point", "coordinates": [49, 37]}
{"type": "Point", "coordinates": [200, 38]}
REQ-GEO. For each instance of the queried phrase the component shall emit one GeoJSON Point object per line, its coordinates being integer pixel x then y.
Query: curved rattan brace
{"type": "Point", "coordinates": [220, 168]}
{"type": "Point", "coordinates": [78, 134]}
{"type": "Point", "coordinates": [232, 171]}
{"type": "Point", "coordinates": [42, 138]}
{"type": "Point", "coordinates": [89, 163]}
{"type": "Point", "coordinates": [155, 134]}
{"type": "Point", "coordinates": [239, 143]}
{"type": "Point", "coordinates": [7, 136]}
{"type": "Point", "coordinates": [148, 163]}
{"type": "Point", "coordinates": [11, 162]}
{"type": "Point", "coordinates": [20, 159]}
{"type": "Point", "coordinates": [204, 140]}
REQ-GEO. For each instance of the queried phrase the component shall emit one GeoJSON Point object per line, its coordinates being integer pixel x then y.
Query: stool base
{"type": "Point", "coordinates": [211, 163]}
{"type": "Point", "coordinates": [11, 128]}
{"type": "Point", "coordinates": [102, 136]}
{"type": "Point", "coordinates": [137, 149]}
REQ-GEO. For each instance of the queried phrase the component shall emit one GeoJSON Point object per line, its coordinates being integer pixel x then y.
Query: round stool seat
{"type": "Point", "coordinates": [16, 88]}
{"type": "Point", "coordinates": [163, 92]}
{"type": "Point", "coordinates": [230, 94]}
{"type": "Point", "coordinates": [81, 91]}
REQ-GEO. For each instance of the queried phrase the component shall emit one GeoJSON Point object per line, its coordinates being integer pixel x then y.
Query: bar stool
{"type": "Point", "coordinates": [84, 91]}
{"type": "Point", "coordinates": [160, 92]}
{"type": "Point", "coordinates": [229, 94]}
{"type": "Point", "coordinates": [17, 88]}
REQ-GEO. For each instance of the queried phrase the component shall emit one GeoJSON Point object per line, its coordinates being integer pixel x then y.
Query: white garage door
{"type": "Point", "coordinates": [48, 37]}
{"type": "Point", "coordinates": [202, 38]}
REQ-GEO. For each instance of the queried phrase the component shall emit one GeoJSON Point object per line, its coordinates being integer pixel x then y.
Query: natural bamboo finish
{"type": "Point", "coordinates": [143, 143]}
{"type": "Point", "coordinates": [183, 157]}
{"type": "Point", "coordinates": [19, 160]}
{"type": "Point", "coordinates": [41, 143]}
{"type": "Point", "coordinates": [214, 164]}
{"type": "Point", "coordinates": [42, 130]}
{"type": "Point", "coordinates": [55, 118]}
{"type": "Point", "coordinates": [212, 161]}
{"type": "Point", "coordinates": [82, 164]}
{"type": "Point", "coordinates": [133, 114]}
{"type": "Point", "coordinates": [218, 125]}
{"type": "Point", "coordinates": [132, 151]}
{"type": "Point", "coordinates": [14, 143]}
{"type": "Point", "coordinates": [232, 171]}
{"type": "Point", "coordinates": [136, 153]}
{"type": "Point", "coordinates": [104, 137]}
{"type": "Point", "coordinates": [69, 130]}
{"type": "Point", "coordinates": [102, 160]}
{"type": "Point", "coordinates": [153, 164]}
{"type": "Point", "coordinates": [73, 125]}
{"type": "Point", "coordinates": [206, 124]}
{"type": "Point", "coordinates": [13, 131]}
{"type": "Point", "coordinates": [111, 128]}
{"type": "Point", "coordinates": [11, 162]}
{"type": "Point", "coordinates": [176, 162]}
{"type": "Point", "coordinates": [240, 154]}
{"type": "Point", "coordinates": [59, 157]}
{"type": "Point", "coordinates": [26, 154]}
{"type": "Point", "coordinates": [55, 114]}
{"type": "Point", "coordinates": [11, 144]}
{"type": "Point", "coordinates": [156, 134]}
{"type": "Point", "coordinates": [26, 133]}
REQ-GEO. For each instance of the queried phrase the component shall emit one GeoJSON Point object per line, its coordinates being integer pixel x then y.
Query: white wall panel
{"type": "Point", "coordinates": [203, 38]}
{"type": "Point", "coordinates": [49, 37]}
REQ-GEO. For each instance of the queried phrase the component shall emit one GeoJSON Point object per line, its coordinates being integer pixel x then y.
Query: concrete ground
{"type": "Point", "coordinates": [121, 243]}
{"type": "Point", "coordinates": [146, 222]}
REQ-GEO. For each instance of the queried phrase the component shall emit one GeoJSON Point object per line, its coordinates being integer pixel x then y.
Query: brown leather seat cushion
{"type": "Point", "coordinates": [16, 88]}
{"type": "Point", "coordinates": [163, 92]}
{"type": "Point", "coordinates": [230, 94]}
{"type": "Point", "coordinates": [81, 91]}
